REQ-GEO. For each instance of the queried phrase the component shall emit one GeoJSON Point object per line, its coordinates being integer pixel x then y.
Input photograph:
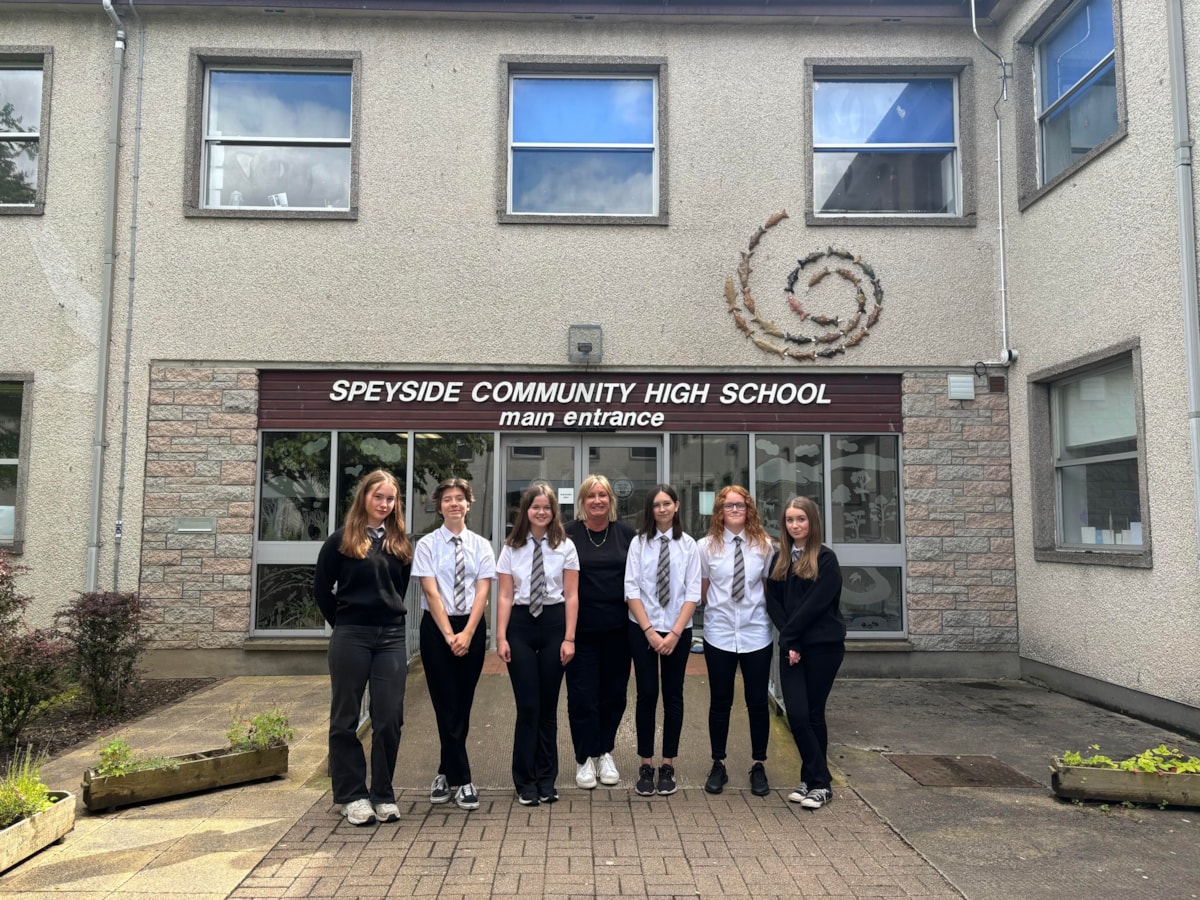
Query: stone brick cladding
{"type": "Point", "coordinates": [201, 448]}
{"type": "Point", "coordinates": [961, 585]}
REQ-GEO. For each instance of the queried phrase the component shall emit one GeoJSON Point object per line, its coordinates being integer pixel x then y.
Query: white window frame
{"type": "Point", "coordinates": [41, 59]}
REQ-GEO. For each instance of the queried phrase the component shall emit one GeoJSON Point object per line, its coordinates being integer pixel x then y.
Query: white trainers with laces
{"type": "Point", "coordinates": [585, 774]}
{"type": "Point", "coordinates": [359, 812]}
{"type": "Point", "coordinates": [387, 812]}
{"type": "Point", "coordinates": [608, 770]}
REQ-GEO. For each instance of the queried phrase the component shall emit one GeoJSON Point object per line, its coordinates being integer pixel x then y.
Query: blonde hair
{"type": "Point", "coordinates": [589, 484]}
{"type": "Point", "coordinates": [355, 540]}
{"type": "Point", "coordinates": [806, 566]}
{"type": "Point", "coordinates": [755, 533]}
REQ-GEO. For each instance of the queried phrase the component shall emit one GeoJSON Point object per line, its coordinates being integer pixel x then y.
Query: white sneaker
{"type": "Point", "coordinates": [359, 812]}
{"type": "Point", "coordinates": [585, 774]}
{"type": "Point", "coordinates": [387, 812]}
{"type": "Point", "coordinates": [608, 770]}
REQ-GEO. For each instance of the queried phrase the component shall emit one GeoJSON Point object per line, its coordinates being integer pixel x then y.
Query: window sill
{"type": "Point", "coordinates": [869, 221]}
{"type": "Point", "coordinates": [16, 548]}
{"type": "Point", "coordinates": [27, 209]}
{"type": "Point", "coordinates": [506, 218]}
{"type": "Point", "coordinates": [1123, 559]}
{"type": "Point", "coordinates": [290, 645]}
{"type": "Point", "coordinates": [877, 645]}
{"type": "Point", "coordinates": [197, 212]}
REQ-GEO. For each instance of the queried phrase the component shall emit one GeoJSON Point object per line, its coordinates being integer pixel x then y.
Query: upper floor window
{"type": "Point", "coordinates": [1076, 86]}
{"type": "Point", "coordinates": [885, 146]}
{"type": "Point", "coordinates": [23, 108]}
{"type": "Point", "coordinates": [276, 136]}
{"type": "Point", "coordinates": [584, 143]}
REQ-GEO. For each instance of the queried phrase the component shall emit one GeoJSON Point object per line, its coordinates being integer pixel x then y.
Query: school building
{"type": "Point", "coordinates": [929, 262]}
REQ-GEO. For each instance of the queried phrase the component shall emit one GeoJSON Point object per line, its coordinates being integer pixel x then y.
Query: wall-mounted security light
{"type": "Point", "coordinates": [585, 344]}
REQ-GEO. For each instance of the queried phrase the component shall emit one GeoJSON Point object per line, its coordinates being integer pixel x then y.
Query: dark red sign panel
{"type": "Point", "coordinates": [575, 401]}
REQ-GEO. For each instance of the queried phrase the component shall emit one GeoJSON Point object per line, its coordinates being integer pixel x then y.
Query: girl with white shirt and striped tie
{"type": "Point", "coordinates": [535, 635]}
{"type": "Point", "coordinates": [734, 559]}
{"type": "Point", "coordinates": [455, 567]}
{"type": "Point", "coordinates": [662, 588]}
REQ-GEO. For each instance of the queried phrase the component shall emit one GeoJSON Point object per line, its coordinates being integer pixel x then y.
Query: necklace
{"type": "Point", "coordinates": [589, 536]}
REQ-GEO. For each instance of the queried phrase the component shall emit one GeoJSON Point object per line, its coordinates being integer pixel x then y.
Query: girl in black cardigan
{"type": "Point", "coordinates": [803, 596]}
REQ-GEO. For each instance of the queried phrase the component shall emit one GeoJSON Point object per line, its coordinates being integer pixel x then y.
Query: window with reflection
{"type": "Point", "coordinates": [11, 399]}
{"type": "Point", "coordinates": [20, 131]}
{"type": "Point", "coordinates": [702, 464]}
{"type": "Point", "coordinates": [360, 452]}
{"type": "Point", "coordinates": [438, 456]}
{"type": "Point", "coordinates": [294, 492]}
{"type": "Point", "coordinates": [286, 599]}
{"type": "Point", "coordinates": [583, 144]}
{"type": "Point", "coordinates": [886, 145]}
{"type": "Point", "coordinates": [786, 466]}
{"type": "Point", "coordinates": [277, 138]}
{"type": "Point", "coordinates": [872, 600]}
{"type": "Point", "coordinates": [865, 485]}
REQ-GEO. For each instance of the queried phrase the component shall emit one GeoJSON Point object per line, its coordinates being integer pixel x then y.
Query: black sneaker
{"type": "Point", "coordinates": [758, 780]}
{"type": "Point", "coordinates": [817, 798]}
{"type": "Point", "coordinates": [439, 791]}
{"type": "Point", "coordinates": [798, 795]}
{"type": "Point", "coordinates": [467, 797]}
{"type": "Point", "coordinates": [666, 779]}
{"type": "Point", "coordinates": [548, 796]}
{"type": "Point", "coordinates": [645, 782]}
{"type": "Point", "coordinates": [527, 799]}
{"type": "Point", "coordinates": [717, 778]}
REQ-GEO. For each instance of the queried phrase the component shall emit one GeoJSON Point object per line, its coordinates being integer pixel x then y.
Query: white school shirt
{"type": "Point", "coordinates": [741, 627]}
{"type": "Point", "coordinates": [434, 558]}
{"type": "Point", "coordinates": [641, 578]}
{"type": "Point", "coordinates": [518, 562]}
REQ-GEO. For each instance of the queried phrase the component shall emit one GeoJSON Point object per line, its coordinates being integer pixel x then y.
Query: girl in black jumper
{"type": "Point", "coordinates": [362, 574]}
{"type": "Point", "coordinates": [803, 596]}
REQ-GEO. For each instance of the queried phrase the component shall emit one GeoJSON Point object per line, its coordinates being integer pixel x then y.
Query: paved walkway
{"type": "Point", "coordinates": [883, 836]}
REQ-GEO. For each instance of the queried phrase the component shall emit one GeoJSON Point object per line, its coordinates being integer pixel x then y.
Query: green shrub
{"type": "Point", "coordinates": [268, 729]}
{"type": "Point", "coordinates": [1157, 759]}
{"type": "Point", "coordinates": [22, 793]}
{"type": "Point", "coordinates": [118, 758]}
{"type": "Point", "coordinates": [104, 628]}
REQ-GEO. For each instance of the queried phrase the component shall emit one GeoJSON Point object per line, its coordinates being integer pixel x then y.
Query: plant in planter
{"type": "Point", "coordinates": [31, 815]}
{"type": "Point", "coordinates": [258, 748]}
{"type": "Point", "coordinates": [1158, 775]}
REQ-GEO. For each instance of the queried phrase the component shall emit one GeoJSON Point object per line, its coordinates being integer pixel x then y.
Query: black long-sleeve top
{"type": "Point", "coordinates": [807, 612]}
{"type": "Point", "coordinates": [366, 591]}
{"type": "Point", "coordinates": [602, 604]}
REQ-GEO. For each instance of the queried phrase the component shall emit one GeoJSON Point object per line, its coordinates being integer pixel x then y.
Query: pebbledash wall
{"type": "Point", "coordinates": [201, 467]}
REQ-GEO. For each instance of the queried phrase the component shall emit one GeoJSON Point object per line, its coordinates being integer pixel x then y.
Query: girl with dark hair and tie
{"type": "Point", "coordinates": [456, 568]}
{"type": "Point", "coordinates": [734, 558]}
{"type": "Point", "coordinates": [662, 588]}
{"type": "Point", "coordinates": [804, 593]}
{"type": "Point", "coordinates": [362, 574]}
{"type": "Point", "coordinates": [535, 635]}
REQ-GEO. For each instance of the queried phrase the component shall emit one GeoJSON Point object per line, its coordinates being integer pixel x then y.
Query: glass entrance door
{"type": "Point", "coordinates": [632, 464]}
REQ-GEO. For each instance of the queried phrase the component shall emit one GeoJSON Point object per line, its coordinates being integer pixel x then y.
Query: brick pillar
{"type": "Point", "coordinates": [961, 585]}
{"type": "Point", "coordinates": [201, 446]}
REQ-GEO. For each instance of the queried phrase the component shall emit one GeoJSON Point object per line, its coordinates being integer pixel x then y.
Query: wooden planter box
{"type": "Point", "coordinates": [22, 839]}
{"type": "Point", "coordinates": [1117, 785]}
{"type": "Point", "coordinates": [193, 772]}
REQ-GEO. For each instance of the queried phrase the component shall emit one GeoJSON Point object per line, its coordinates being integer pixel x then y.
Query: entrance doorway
{"type": "Point", "coordinates": [632, 464]}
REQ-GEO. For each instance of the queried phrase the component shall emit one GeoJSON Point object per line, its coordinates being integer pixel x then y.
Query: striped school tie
{"type": "Point", "coordinates": [537, 581]}
{"type": "Point", "coordinates": [739, 571]}
{"type": "Point", "coordinates": [460, 576]}
{"type": "Point", "coordinates": [664, 572]}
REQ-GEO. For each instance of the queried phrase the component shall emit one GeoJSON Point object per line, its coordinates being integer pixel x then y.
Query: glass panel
{"type": "Point", "coordinates": [265, 176]}
{"type": "Point", "coordinates": [788, 465]}
{"type": "Point", "coordinates": [583, 110]}
{"type": "Point", "coordinates": [8, 501]}
{"type": "Point", "coordinates": [10, 419]}
{"type": "Point", "coordinates": [701, 465]}
{"type": "Point", "coordinates": [866, 490]}
{"type": "Point", "coordinates": [279, 104]}
{"type": "Point", "coordinates": [1101, 503]}
{"type": "Point", "coordinates": [631, 471]}
{"type": "Point", "coordinates": [920, 111]}
{"type": "Point", "coordinates": [18, 171]}
{"type": "Point", "coordinates": [1081, 123]}
{"type": "Point", "coordinates": [871, 599]}
{"type": "Point", "coordinates": [294, 503]}
{"type": "Point", "coordinates": [440, 456]}
{"type": "Point", "coordinates": [20, 100]}
{"type": "Point", "coordinates": [906, 182]}
{"type": "Point", "coordinates": [363, 452]}
{"type": "Point", "coordinates": [1072, 50]}
{"type": "Point", "coordinates": [524, 465]}
{"type": "Point", "coordinates": [611, 182]}
{"type": "Point", "coordinates": [1096, 415]}
{"type": "Point", "coordinates": [286, 598]}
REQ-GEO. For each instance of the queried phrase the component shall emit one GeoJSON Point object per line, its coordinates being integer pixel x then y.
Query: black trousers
{"type": "Point", "coordinates": [649, 668]}
{"type": "Point", "coordinates": [360, 655]}
{"type": "Point", "coordinates": [756, 676]}
{"type": "Point", "coordinates": [597, 688]}
{"type": "Point", "coordinates": [536, 672]}
{"type": "Point", "coordinates": [452, 681]}
{"type": "Point", "coordinates": [806, 688]}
